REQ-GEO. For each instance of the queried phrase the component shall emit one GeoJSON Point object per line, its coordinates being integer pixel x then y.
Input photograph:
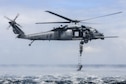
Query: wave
{"type": "Point", "coordinates": [61, 79]}
{"type": "Point", "coordinates": [62, 74]}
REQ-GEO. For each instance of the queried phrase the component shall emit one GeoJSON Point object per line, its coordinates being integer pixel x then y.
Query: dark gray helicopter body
{"type": "Point", "coordinates": [61, 33]}
{"type": "Point", "coordinates": [82, 33]}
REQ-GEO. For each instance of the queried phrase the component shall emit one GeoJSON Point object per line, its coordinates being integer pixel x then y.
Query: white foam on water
{"type": "Point", "coordinates": [62, 75]}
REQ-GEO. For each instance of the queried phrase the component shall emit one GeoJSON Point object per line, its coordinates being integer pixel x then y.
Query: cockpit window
{"type": "Point", "coordinates": [94, 30]}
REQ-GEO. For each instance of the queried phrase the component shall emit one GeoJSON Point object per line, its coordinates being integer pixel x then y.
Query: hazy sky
{"type": "Point", "coordinates": [17, 51]}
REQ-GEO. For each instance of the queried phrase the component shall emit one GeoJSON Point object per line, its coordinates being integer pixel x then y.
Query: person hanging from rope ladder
{"type": "Point", "coordinates": [79, 60]}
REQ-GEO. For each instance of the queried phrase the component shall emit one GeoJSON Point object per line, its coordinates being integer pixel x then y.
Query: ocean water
{"type": "Point", "coordinates": [62, 74]}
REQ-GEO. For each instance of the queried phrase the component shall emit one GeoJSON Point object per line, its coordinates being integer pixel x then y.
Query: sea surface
{"type": "Point", "coordinates": [62, 74]}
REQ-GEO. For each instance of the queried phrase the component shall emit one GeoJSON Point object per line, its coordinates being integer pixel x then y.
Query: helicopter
{"type": "Point", "coordinates": [63, 33]}
{"type": "Point", "coordinates": [82, 33]}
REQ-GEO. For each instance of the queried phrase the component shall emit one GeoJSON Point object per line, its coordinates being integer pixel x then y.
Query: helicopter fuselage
{"type": "Point", "coordinates": [65, 34]}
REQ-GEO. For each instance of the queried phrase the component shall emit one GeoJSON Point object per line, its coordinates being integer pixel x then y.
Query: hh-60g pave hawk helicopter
{"type": "Point", "coordinates": [82, 33]}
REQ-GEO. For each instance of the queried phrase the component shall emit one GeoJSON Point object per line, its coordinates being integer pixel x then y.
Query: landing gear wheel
{"type": "Point", "coordinates": [31, 43]}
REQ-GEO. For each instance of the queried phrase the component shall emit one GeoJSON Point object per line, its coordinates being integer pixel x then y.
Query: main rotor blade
{"type": "Point", "coordinates": [90, 23]}
{"type": "Point", "coordinates": [50, 22]}
{"type": "Point", "coordinates": [68, 19]}
{"type": "Point", "coordinates": [102, 16]}
{"type": "Point", "coordinates": [111, 37]}
{"type": "Point", "coordinates": [100, 37]}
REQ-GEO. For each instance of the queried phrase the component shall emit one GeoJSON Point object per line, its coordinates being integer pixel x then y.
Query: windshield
{"type": "Point", "coordinates": [94, 30]}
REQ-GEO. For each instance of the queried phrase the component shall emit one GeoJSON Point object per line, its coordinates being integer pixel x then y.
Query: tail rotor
{"type": "Point", "coordinates": [12, 21]}
{"type": "Point", "coordinates": [15, 26]}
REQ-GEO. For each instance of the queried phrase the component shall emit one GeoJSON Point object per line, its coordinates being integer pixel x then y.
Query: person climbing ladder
{"type": "Point", "coordinates": [79, 58]}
